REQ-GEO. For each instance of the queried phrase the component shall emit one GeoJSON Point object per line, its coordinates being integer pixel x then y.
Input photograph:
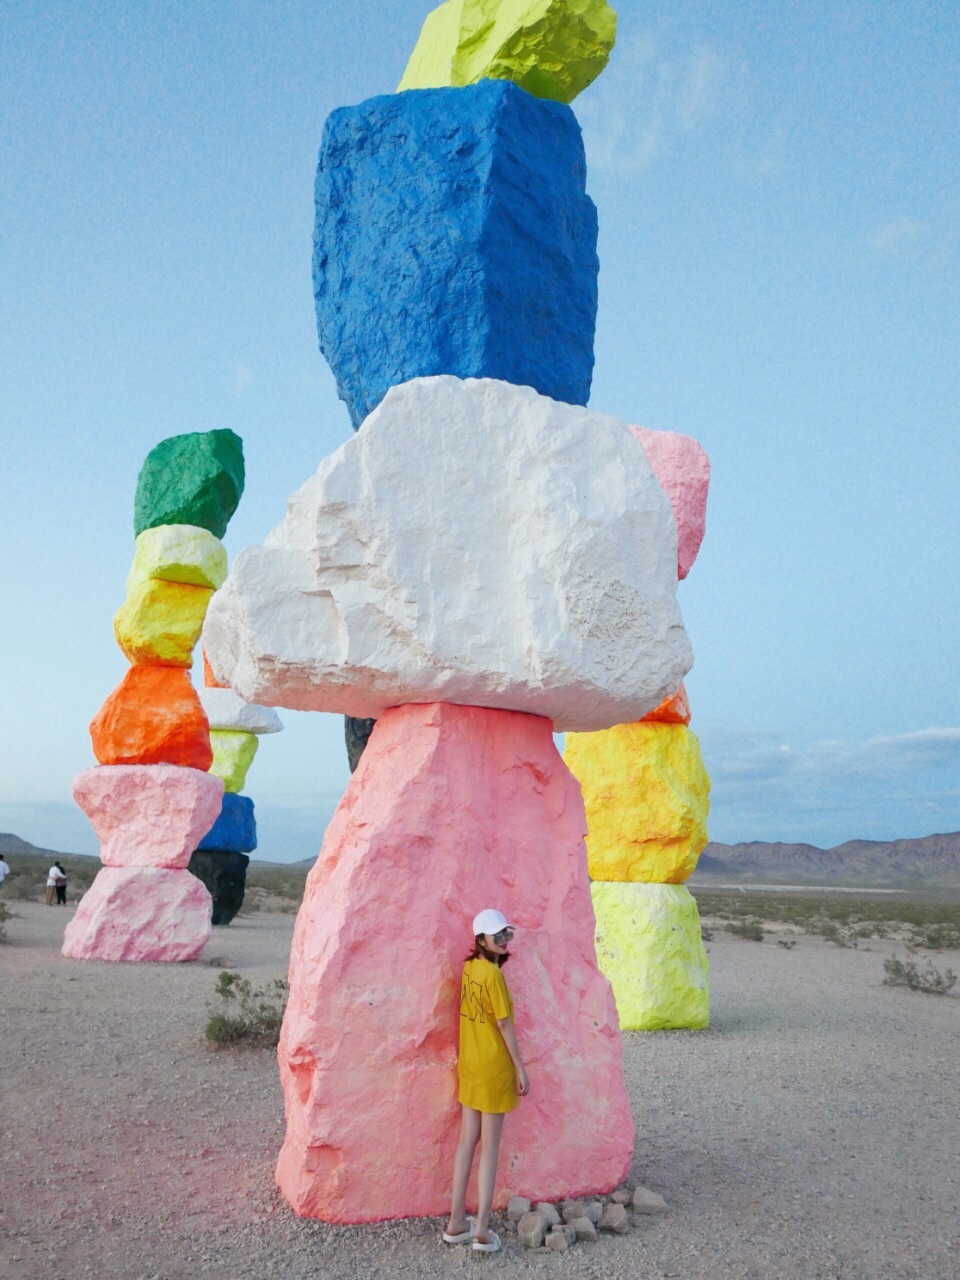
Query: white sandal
{"type": "Point", "coordinates": [492, 1246]}
{"type": "Point", "coordinates": [461, 1237]}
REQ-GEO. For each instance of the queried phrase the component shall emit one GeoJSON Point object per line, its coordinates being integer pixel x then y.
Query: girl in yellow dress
{"type": "Point", "coordinates": [491, 1074]}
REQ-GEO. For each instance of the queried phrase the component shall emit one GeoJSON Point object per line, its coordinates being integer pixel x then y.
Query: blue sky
{"type": "Point", "coordinates": [779, 202]}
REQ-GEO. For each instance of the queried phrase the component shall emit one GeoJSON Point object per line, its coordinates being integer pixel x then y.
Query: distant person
{"type": "Point", "coordinates": [53, 879]}
{"type": "Point", "coordinates": [61, 885]}
{"type": "Point", "coordinates": [4, 871]}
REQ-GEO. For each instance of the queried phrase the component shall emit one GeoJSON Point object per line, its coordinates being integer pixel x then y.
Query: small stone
{"type": "Point", "coordinates": [530, 1230]}
{"type": "Point", "coordinates": [595, 1211]}
{"type": "Point", "coordinates": [584, 1229]}
{"type": "Point", "coordinates": [191, 479]}
{"type": "Point", "coordinates": [517, 1207]}
{"type": "Point", "coordinates": [645, 1201]}
{"type": "Point", "coordinates": [622, 1196]}
{"type": "Point", "coordinates": [233, 754]}
{"type": "Point", "coordinates": [548, 1212]}
{"type": "Point", "coordinates": [557, 1242]}
{"type": "Point", "coordinates": [571, 1209]}
{"type": "Point", "coordinates": [615, 1218]}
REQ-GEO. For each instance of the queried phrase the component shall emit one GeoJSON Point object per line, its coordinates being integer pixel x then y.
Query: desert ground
{"type": "Point", "coordinates": [812, 1133]}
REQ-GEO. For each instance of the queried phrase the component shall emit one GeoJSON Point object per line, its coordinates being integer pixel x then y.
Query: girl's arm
{"type": "Point", "coordinates": [510, 1040]}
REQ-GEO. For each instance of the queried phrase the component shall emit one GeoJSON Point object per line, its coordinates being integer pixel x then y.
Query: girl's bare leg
{"type": "Point", "coordinates": [490, 1129]}
{"type": "Point", "coordinates": [466, 1145]}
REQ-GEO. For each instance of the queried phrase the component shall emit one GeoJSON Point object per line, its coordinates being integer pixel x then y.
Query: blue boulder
{"type": "Point", "coordinates": [454, 235]}
{"type": "Point", "coordinates": [235, 831]}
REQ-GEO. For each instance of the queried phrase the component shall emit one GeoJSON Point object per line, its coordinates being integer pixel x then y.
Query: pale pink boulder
{"type": "Point", "coordinates": [452, 809]}
{"type": "Point", "coordinates": [683, 470]}
{"type": "Point", "coordinates": [140, 913]}
{"type": "Point", "coordinates": [148, 815]}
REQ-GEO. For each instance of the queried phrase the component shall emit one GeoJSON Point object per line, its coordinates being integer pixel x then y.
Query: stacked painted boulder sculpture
{"type": "Point", "coordinates": [646, 794]}
{"type": "Point", "coordinates": [222, 856]}
{"type": "Point", "coordinates": [153, 797]}
{"type": "Point", "coordinates": [485, 560]}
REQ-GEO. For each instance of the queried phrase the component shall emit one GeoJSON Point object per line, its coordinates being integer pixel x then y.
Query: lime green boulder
{"type": "Point", "coordinates": [191, 479]}
{"type": "Point", "coordinates": [179, 553]}
{"type": "Point", "coordinates": [551, 48]}
{"type": "Point", "coordinates": [649, 945]}
{"type": "Point", "coordinates": [233, 753]}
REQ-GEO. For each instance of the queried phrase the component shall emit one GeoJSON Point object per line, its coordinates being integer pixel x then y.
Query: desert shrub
{"type": "Point", "coordinates": [907, 973]}
{"type": "Point", "coordinates": [787, 943]}
{"type": "Point", "coordinates": [936, 937]}
{"type": "Point", "coordinates": [706, 933]}
{"type": "Point", "coordinates": [830, 931]}
{"type": "Point", "coordinates": [4, 917]}
{"type": "Point", "coordinates": [752, 930]}
{"type": "Point", "coordinates": [249, 1013]}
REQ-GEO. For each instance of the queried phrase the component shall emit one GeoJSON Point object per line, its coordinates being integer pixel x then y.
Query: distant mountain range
{"type": "Point", "coordinates": [929, 861]}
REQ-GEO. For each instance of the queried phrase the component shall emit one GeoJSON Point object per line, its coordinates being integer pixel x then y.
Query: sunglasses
{"type": "Point", "coordinates": [503, 937]}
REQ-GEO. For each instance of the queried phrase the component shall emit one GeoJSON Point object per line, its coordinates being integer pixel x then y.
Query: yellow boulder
{"type": "Point", "coordinates": [160, 622]}
{"type": "Point", "coordinates": [179, 553]}
{"type": "Point", "coordinates": [551, 48]}
{"type": "Point", "coordinates": [233, 752]}
{"type": "Point", "coordinates": [650, 948]}
{"type": "Point", "coordinates": [647, 796]}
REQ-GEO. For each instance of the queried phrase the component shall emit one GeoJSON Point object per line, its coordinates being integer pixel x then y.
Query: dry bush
{"type": "Point", "coordinates": [907, 973]}
{"type": "Point", "coordinates": [248, 1013]}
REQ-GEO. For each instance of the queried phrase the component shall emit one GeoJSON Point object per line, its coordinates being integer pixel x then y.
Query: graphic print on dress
{"type": "Point", "coordinates": [471, 1000]}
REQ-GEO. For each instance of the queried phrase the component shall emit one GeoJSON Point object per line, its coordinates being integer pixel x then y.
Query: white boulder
{"type": "Point", "coordinates": [474, 543]}
{"type": "Point", "coordinates": [225, 709]}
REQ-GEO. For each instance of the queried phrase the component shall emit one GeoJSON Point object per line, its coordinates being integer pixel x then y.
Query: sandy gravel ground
{"type": "Point", "coordinates": [812, 1133]}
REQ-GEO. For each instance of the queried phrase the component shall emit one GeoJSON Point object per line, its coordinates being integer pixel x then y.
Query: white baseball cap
{"type": "Point", "coordinates": [490, 921]}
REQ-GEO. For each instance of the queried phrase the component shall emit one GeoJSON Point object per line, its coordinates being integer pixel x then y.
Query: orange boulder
{"type": "Point", "coordinates": [153, 717]}
{"type": "Point", "coordinates": [674, 709]}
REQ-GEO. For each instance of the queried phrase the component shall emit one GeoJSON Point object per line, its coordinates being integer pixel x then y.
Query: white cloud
{"type": "Point", "coordinates": [832, 790]}
{"type": "Point", "coordinates": [652, 93]}
{"type": "Point", "coordinates": [901, 234]}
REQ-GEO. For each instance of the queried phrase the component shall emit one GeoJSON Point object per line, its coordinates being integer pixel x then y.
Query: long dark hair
{"type": "Point", "coordinates": [480, 952]}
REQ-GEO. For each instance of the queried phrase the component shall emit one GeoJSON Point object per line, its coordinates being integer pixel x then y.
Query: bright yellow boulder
{"type": "Point", "coordinates": [647, 796]}
{"type": "Point", "coordinates": [551, 48]}
{"type": "Point", "coordinates": [179, 553]}
{"type": "Point", "coordinates": [160, 622]}
{"type": "Point", "coordinates": [233, 752]}
{"type": "Point", "coordinates": [650, 948]}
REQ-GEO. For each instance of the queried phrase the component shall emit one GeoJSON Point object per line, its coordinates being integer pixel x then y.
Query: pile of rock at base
{"type": "Point", "coordinates": [554, 1228]}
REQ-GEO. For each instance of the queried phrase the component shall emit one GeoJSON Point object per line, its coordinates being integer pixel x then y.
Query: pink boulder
{"type": "Point", "coordinates": [452, 809]}
{"type": "Point", "coordinates": [148, 815]}
{"type": "Point", "coordinates": [683, 469]}
{"type": "Point", "coordinates": [140, 913]}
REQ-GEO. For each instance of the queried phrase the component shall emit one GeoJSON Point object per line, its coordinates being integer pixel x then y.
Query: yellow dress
{"type": "Point", "coordinates": [488, 1078]}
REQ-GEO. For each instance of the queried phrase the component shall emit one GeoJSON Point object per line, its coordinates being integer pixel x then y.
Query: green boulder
{"type": "Point", "coordinates": [551, 48]}
{"type": "Point", "coordinates": [191, 479]}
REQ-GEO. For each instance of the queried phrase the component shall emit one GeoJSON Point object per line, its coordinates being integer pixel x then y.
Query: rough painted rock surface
{"type": "Point", "coordinates": [541, 519]}
{"type": "Point", "coordinates": [179, 553]}
{"type": "Point", "coordinates": [552, 48]}
{"type": "Point", "coordinates": [152, 717]}
{"type": "Point", "coordinates": [225, 877]}
{"type": "Point", "coordinates": [451, 808]}
{"type": "Point", "coordinates": [225, 709]}
{"type": "Point", "coordinates": [232, 756]}
{"type": "Point", "coordinates": [683, 469]}
{"type": "Point", "coordinates": [235, 828]}
{"type": "Point", "coordinates": [160, 622]}
{"type": "Point", "coordinates": [140, 913]}
{"type": "Point", "coordinates": [148, 815]}
{"type": "Point", "coordinates": [649, 946]}
{"type": "Point", "coordinates": [191, 479]}
{"type": "Point", "coordinates": [460, 219]}
{"type": "Point", "coordinates": [674, 709]}
{"type": "Point", "coordinates": [647, 796]}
